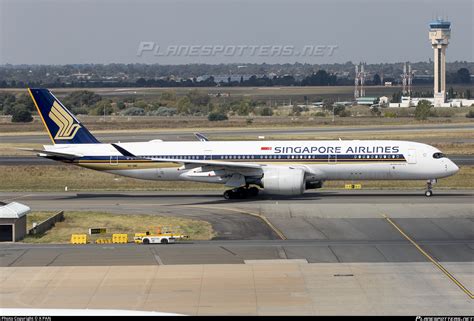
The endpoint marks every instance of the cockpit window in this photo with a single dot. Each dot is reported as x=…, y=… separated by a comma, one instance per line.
x=438, y=155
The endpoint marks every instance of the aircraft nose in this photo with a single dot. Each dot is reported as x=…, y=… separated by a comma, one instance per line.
x=452, y=168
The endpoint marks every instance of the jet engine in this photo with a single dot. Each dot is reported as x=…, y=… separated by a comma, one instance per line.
x=283, y=180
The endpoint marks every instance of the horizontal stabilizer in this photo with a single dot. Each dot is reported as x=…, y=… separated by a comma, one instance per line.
x=50, y=153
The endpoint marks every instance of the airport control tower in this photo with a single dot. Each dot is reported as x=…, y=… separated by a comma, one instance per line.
x=440, y=32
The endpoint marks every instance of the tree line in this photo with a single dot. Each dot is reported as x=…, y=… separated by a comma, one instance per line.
x=85, y=102
x=319, y=78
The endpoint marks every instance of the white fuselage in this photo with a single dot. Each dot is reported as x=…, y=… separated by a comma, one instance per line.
x=320, y=160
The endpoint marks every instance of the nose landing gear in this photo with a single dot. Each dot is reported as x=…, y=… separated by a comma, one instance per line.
x=429, y=187
x=241, y=193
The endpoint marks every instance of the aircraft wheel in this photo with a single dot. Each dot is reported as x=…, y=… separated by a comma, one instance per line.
x=253, y=191
x=228, y=195
x=429, y=186
x=241, y=193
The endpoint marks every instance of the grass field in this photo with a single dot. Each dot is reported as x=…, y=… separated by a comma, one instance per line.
x=97, y=124
x=80, y=222
x=57, y=177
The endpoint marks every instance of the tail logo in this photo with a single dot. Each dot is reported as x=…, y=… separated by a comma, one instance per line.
x=65, y=122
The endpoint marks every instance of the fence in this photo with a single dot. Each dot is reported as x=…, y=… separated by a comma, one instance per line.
x=47, y=224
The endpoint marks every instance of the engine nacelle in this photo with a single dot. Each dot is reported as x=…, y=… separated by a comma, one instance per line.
x=283, y=181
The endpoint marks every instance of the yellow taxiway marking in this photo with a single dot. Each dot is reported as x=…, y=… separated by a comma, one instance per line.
x=260, y=216
x=429, y=257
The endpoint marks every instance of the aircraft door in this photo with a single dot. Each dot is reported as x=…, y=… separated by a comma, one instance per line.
x=114, y=160
x=208, y=154
x=411, y=156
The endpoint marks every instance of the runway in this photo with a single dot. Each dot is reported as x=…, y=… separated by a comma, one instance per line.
x=34, y=160
x=329, y=226
x=183, y=134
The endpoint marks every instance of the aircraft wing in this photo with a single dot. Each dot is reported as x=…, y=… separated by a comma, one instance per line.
x=50, y=153
x=234, y=165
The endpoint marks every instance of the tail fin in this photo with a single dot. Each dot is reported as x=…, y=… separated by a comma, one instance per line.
x=62, y=126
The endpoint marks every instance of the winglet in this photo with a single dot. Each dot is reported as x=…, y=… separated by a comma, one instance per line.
x=123, y=151
x=201, y=137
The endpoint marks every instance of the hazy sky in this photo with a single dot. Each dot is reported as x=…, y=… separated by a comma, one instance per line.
x=106, y=31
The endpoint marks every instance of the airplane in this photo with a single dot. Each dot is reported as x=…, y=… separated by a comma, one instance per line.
x=286, y=168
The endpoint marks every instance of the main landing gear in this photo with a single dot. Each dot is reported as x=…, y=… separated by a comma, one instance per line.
x=429, y=187
x=241, y=192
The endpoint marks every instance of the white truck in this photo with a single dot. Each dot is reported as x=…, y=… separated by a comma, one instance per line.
x=161, y=239
x=158, y=238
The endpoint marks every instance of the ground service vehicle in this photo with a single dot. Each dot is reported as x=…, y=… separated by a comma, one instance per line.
x=163, y=235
